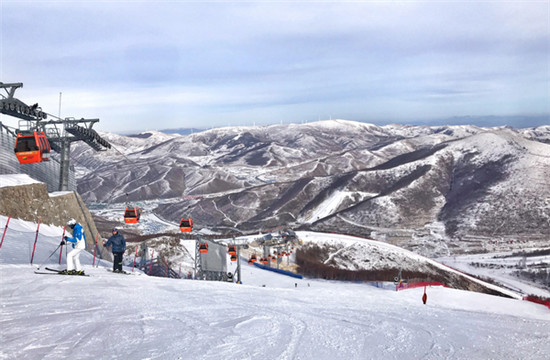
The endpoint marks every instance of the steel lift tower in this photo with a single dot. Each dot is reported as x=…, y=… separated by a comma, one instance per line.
x=16, y=108
x=60, y=133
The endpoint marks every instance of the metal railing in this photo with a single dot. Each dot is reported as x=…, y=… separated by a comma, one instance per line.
x=158, y=268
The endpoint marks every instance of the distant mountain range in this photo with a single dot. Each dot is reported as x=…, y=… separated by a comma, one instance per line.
x=516, y=121
x=434, y=188
x=180, y=131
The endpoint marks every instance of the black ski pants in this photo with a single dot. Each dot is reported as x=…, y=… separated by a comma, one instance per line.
x=117, y=262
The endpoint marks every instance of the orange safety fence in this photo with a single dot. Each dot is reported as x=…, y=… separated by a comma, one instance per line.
x=405, y=286
x=537, y=300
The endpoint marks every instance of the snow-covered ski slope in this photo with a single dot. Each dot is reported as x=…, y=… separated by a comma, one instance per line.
x=269, y=316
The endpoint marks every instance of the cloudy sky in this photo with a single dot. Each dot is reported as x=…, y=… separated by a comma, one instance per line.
x=140, y=65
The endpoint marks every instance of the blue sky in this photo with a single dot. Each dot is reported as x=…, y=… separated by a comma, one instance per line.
x=140, y=65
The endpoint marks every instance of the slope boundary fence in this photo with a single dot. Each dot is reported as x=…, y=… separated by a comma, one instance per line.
x=406, y=286
x=279, y=271
x=537, y=301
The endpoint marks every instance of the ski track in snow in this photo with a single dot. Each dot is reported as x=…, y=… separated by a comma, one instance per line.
x=270, y=316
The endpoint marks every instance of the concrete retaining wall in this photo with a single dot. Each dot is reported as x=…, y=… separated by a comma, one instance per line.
x=30, y=202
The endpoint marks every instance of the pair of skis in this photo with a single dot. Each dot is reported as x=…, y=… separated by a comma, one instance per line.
x=118, y=272
x=56, y=272
x=61, y=272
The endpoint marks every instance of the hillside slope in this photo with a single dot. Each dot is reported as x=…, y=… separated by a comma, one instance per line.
x=413, y=185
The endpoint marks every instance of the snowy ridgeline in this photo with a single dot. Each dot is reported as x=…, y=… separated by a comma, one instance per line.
x=270, y=316
x=477, y=184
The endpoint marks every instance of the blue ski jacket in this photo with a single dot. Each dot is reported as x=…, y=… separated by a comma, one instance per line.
x=118, y=242
x=78, y=239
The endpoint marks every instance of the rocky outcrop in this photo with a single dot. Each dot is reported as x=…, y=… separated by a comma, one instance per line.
x=32, y=202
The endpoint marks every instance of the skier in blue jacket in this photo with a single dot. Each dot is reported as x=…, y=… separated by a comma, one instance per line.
x=118, y=244
x=79, y=243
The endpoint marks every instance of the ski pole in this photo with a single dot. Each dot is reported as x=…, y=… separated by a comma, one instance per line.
x=99, y=258
x=99, y=253
x=61, y=251
x=95, y=248
x=58, y=246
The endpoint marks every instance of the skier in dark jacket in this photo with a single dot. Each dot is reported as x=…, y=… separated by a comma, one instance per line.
x=118, y=244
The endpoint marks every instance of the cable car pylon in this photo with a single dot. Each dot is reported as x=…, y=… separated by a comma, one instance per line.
x=59, y=138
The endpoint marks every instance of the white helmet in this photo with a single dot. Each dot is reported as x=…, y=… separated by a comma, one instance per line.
x=71, y=222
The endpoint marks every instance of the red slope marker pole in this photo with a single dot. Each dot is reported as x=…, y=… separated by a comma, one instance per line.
x=5, y=229
x=61, y=247
x=137, y=247
x=151, y=266
x=424, y=297
x=35, y=240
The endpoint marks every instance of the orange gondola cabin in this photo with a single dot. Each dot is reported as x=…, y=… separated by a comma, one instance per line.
x=132, y=215
x=186, y=225
x=32, y=147
x=203, y=248
x=232, y=250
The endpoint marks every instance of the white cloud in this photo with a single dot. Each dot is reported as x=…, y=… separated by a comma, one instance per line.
x=226, y=58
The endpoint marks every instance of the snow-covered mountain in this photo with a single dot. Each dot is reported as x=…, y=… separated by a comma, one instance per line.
x=416, y=185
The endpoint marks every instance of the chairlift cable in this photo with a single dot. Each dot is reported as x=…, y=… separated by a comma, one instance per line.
x=121, y=153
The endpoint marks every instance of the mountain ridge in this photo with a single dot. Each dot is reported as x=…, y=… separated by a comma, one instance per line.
x=397, y=177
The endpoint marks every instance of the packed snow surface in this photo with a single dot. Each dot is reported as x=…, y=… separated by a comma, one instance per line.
x=269, y=316
x=16, y=180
